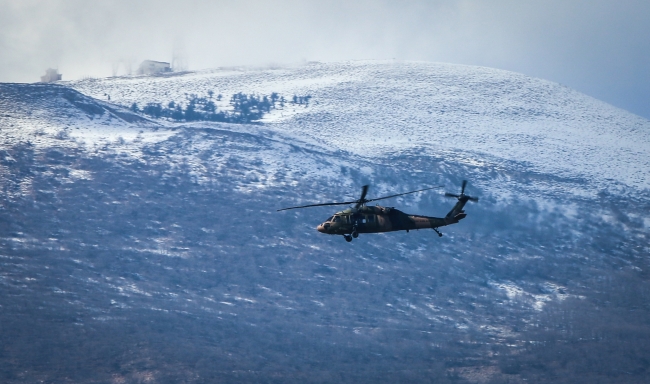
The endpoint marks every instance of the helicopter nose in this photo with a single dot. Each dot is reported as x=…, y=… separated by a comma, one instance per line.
x=321, y=228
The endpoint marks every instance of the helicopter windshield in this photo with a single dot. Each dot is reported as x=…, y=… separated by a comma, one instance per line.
x=336, y=219
x=329, y=219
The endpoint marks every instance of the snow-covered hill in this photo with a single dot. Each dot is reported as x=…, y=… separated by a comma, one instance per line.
x=136, y=249
x=472, y=113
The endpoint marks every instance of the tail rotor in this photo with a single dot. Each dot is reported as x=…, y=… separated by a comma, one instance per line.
x=462, y=196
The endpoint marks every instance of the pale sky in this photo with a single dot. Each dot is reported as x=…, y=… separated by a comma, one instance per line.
x=599, y=47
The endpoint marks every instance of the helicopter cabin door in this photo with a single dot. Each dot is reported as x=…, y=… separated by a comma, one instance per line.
x=368, y=222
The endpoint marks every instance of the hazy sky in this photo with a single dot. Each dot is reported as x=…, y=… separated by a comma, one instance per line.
x=599, y=47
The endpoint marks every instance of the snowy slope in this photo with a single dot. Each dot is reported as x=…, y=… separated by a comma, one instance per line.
x=137, y=250
x=38, y=113
x=472, y=113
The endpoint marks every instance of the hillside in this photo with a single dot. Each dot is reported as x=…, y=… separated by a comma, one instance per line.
x=137, y=249
x=375, y=108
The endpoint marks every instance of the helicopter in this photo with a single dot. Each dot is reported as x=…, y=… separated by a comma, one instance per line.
x=364, y=219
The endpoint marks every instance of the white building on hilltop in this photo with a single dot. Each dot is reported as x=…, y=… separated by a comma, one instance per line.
x=50, y=76
x=149, y=67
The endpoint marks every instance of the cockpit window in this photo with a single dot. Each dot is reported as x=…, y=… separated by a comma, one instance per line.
x=329, y=219
x=336, y=219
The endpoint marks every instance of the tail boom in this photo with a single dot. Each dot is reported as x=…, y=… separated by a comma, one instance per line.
x=426, y=222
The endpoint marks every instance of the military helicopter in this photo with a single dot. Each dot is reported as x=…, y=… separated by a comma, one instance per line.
x=364, y=219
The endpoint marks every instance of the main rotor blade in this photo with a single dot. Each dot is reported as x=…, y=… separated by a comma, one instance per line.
x=362, y=199
x=462, y=189
x=317, y=205
x=401, y=194
x=364, y=192
x=447, y=194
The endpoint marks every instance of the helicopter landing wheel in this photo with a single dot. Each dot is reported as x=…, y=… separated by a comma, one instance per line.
x=355, y=234
x=348, y=238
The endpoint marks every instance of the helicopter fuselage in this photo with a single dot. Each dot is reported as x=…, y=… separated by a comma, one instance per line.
x=384, y=219
x=364, y=219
